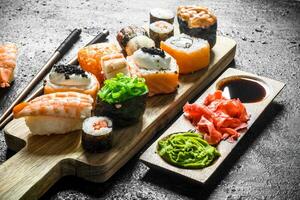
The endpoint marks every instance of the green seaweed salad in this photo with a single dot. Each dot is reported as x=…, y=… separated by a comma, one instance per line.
x=187, y=150
x=122, y=88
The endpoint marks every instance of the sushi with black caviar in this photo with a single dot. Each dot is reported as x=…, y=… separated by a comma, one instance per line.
x=71, y=78
x=198, y=21
x=97, y=134
x=123, y=99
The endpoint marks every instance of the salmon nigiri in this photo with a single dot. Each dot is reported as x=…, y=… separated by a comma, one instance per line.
x=55, y=113
x=8, y=56
x=89, y=57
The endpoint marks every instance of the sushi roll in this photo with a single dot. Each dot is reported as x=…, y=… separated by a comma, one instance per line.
x=158, y=68
x=160, y=14
x=56, y=113
x=160, y=31
x=89, y=57
x=113, y=64
x=123, y=99
x=71, y=78
x=198, y=21
x=190, y=53
x=132, y=38
x=97, y=134
x=8, y=57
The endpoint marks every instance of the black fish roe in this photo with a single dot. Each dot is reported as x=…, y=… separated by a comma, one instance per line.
x=69, y=70
x=154, y=51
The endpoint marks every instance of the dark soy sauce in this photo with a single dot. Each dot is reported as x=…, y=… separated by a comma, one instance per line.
x=247, y=90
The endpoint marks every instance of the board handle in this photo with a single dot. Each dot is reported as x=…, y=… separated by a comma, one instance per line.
x=35, y=168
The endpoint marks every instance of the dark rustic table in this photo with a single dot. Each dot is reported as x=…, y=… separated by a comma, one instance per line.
x=265, y=165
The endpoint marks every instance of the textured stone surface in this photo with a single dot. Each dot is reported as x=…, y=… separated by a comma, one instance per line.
x=266, y=165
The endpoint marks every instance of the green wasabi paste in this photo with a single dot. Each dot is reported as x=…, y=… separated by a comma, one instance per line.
x=187, y=150
x=122, y=88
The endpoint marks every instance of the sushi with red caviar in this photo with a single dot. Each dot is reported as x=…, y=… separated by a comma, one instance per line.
x=198, y=21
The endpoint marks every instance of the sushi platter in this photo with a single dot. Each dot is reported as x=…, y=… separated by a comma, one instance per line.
x=151, y=158
x=95, y=113
x=41, y=160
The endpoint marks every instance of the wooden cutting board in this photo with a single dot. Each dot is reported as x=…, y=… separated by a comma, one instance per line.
x=42, y=160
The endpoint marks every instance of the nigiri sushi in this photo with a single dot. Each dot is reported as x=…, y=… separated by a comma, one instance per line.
x=132, y=38
x=191, y=54
x=89, y=57
x=8, y=57
x=97, y=134
x=113, y=64
x=198, y=21
x=71, y=78
x=158, y=68
x=55, y=113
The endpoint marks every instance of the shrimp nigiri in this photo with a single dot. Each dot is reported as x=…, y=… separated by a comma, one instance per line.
x=8, y=56
x=55, y=113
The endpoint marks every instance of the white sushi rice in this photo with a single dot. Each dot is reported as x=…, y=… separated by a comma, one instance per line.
x=186, y=43
x=88, y=123
x=46, y=125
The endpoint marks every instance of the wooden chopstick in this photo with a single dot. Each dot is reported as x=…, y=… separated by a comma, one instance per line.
x=99, y=38
x=57, y=55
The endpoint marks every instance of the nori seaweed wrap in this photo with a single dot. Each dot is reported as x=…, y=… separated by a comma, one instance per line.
x=97, y=134
x=198, y=21
x=123, y=99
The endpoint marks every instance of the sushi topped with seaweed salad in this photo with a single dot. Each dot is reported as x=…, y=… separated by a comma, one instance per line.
x=123, y=99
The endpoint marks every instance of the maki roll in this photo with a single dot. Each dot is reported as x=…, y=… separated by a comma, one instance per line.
x=123, y=99
x=132, y=38
x=190, y=53
x=71, y=78
x=160, y=14
x=198, y=21
x=160, y=31
x=158, y=68
x=96, y=134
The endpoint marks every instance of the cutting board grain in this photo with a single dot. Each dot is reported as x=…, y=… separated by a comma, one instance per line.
x=153, y=160
x=42, y=160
